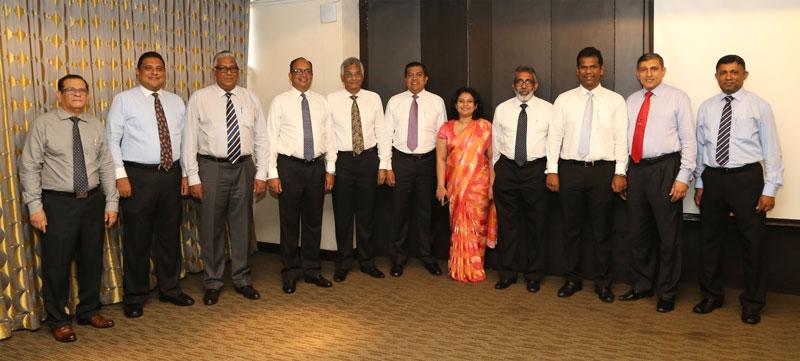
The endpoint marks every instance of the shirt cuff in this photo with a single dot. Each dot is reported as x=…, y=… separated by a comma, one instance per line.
x=619, y=168
x=261, y=175
x=385, y=164
x=552, y=168
x=698, y=182
x=272, y=173
x=194, y=179
x=112, y=206
x=330, y=167
x=34, y=206
x=121, y=173
x=684, y=176
x=769, y=190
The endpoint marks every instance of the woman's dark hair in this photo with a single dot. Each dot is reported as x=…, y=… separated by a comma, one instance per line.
x=477, y=114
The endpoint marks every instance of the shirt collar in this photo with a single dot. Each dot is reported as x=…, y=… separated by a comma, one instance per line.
x=148, y=92
x=736, y=96
x=594, y=91
x=64, y=115
x=419, y=95
x=658, y=90
x=221, y=92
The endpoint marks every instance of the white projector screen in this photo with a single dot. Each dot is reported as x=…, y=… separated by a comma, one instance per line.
x=692, y=35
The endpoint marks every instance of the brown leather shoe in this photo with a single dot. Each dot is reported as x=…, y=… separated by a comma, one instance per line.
x=97, y=321
x=64, y=334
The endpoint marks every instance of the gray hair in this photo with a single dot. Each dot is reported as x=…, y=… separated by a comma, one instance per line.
x=223, y=54
x=524, y=69
x=351, y=61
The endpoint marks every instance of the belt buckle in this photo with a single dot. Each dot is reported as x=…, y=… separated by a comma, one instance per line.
x=80, y=195
x=588, y=164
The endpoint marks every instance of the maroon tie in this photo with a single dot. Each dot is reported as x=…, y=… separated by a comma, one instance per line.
x=413, y=125
x=163, y=136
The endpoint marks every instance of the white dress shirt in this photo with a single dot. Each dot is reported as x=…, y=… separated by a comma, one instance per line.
x=133, y=127
x=504, y=128
x=430, y=117
x=206, y=129
x=285, y=129
x=373, y=125
x=609, y=138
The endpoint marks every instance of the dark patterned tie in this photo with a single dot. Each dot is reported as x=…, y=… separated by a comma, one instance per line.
x=358, y=136
x=413, y=124
x=724, y=134
x=163, y=136
x=234, y=140
x=80, y=181
x=308, y=132
x=521, y=146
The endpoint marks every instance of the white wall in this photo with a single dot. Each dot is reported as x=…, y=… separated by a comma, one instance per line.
x=279, y=32
x=693, y=35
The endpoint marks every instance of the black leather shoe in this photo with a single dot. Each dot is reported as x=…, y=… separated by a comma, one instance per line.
x=181, y=299
x=319, y=281
x=604, y=294
x=665, y=306
x=340, y=275
x=211, y=297
x=707, y=305
x=373, y=272
x=134, y=310
x=433, y=268
x=633, y=295
x=248, y=292
x=397, y=270
x=503, y=284
x=533, y=286
x=289, y=286
x=751, y=317
x=569, y=288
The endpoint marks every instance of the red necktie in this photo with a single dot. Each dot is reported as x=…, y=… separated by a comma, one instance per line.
x=638, y=133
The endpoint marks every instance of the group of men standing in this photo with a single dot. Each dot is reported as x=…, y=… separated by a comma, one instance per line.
x=222, y=150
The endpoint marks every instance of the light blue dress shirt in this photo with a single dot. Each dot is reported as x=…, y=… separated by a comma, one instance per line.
x=670, y=127
x=132, y=128
x=754, y=137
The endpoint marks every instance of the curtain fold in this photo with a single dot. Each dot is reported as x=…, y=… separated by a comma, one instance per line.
x=40, y=41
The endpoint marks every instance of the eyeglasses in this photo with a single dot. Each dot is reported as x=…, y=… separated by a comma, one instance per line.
x=225, y=69
x=298, y=71
x=75, y=91
x=524, y=81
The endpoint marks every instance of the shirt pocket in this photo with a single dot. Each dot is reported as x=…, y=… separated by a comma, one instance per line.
x=603, y=123
x=745, y=125
x=245, y=117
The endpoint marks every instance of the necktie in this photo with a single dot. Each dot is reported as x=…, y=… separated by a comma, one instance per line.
x=586, y=127
x=638, y=132
x=358, y=137
x=234, y=140
x=413, y=125
x=163, y=136
x=724, y=134
x=80, y=181
x=520, y=147
x=308, y=134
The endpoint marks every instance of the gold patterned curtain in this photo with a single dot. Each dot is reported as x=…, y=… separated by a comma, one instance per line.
x=42, y=40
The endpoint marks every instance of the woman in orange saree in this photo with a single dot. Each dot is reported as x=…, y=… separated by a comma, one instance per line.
x=464, y=176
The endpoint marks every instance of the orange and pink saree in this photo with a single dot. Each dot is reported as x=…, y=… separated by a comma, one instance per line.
x=473, y=220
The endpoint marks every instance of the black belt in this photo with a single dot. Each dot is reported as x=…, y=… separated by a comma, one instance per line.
x=300, y=160
x=146, y=166
x=735, y=170
x=414, y=156
x=242, y=158
x=71, y=194
x=659, y=158
x=594, y=163
x=354, y=155
x=527, y=162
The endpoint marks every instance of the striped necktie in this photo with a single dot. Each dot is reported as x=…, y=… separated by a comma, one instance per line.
x=234, y=140
x=724, y=134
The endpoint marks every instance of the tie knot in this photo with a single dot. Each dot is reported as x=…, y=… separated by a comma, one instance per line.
x=303, y=95
x=589, y=94
x=648, y=94
x=523, y=105
x=155, y=94
x=353, y=97
x=74, y=119
x=415, y=96
x=228, y=94
x=729, y=98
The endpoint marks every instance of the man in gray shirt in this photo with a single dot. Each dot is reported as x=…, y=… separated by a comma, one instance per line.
x=63, y=164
